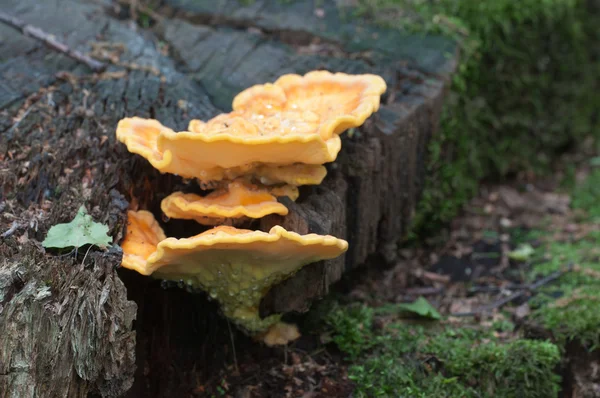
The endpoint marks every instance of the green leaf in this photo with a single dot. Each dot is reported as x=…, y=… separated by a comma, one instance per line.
x=81, y=231
x=522, y=252
x=421, y=307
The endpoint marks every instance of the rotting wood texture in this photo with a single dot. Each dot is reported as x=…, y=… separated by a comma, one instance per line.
x=66, y=320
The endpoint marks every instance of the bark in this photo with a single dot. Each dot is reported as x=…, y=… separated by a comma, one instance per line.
x=67, y=318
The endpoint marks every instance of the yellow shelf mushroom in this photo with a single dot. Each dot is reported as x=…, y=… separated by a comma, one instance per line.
x=141, y=137
x=236, y=267
x=296, y=120
x=194, y=155
x=294, y=174
x=320, y=102
x=142, y=237
x=239, y=201
x=278, y=133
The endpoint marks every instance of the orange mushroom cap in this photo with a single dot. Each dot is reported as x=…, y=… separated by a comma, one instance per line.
x=297, y=119
x=294, y=174
x=235, y=266
x=244, y=144
x=281, y=249
x=280, y=333
x=279, y=191
x=320, y=102
x=237, y=201
x=199, y=155
x=141, y=239
x=141, y=137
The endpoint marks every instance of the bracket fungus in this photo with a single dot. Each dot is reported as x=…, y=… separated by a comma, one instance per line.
x=320, y=102
x=237, y=267
x=294, y=174
x=141, y=239
x=200, y=154
x=278, y=137
x=141, y=137
x=237, y=201
x=280, y=333
x=297, y=119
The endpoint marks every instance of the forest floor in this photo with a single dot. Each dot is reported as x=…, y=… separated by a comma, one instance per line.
x=502, y=303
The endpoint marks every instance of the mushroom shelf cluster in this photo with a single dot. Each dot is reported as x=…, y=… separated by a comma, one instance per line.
x=278, y=137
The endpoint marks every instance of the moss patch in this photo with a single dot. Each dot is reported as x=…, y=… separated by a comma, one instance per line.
x=569, y=309
x=515, y=105
x=400, y=359
x=586, y=196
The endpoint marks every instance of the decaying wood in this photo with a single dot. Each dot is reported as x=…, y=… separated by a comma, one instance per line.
x=376, y=180
x=49, y=40
x=67, y=323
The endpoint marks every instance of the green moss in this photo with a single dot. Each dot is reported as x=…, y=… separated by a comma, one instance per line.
x=429, y=360
x=574, y=315
x=568, y=307
x=526, y=89
x=578, y=320
x=587, y=195
x=353, y=334
x=386, y=376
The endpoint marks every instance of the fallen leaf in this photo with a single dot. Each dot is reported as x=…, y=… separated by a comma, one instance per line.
x=422, y=308
x=81, y=231
x=522, y=252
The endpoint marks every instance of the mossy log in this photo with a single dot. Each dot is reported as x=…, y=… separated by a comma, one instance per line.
x=72, y=324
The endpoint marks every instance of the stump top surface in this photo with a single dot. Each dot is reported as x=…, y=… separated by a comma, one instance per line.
x=331, y=21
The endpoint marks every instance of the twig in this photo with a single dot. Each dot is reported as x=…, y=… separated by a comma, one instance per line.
x=505, y=300
x=16, y=124
x=423, y=291
x=50, y=41
x=135, y=6
x=235, y=361
x=495, y=289
x=431, y=276
x=84, y=257
x=15, y=225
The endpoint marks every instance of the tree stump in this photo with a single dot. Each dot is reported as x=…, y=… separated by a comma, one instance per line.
x=73, y=324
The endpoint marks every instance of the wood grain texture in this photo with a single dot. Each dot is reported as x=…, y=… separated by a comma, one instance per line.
x=69, y=321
